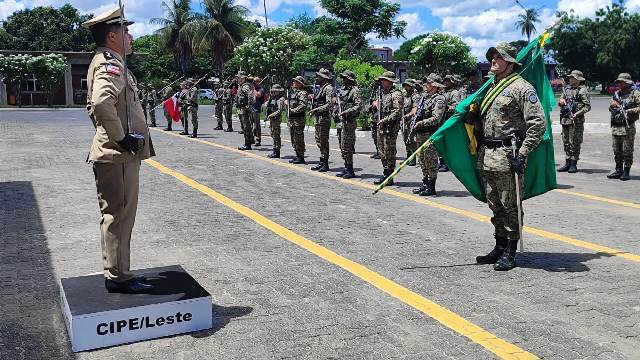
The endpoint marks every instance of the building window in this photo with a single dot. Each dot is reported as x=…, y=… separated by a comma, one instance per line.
x=83, y=83
x=32, y=85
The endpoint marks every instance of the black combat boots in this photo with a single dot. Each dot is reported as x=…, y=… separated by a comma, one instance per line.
x=430, y=190
x=567, y=165
x=615, y=174
x=422, y=187
x=245, y=147
x=625, y=174
x=495, y=254
x=299, y=159
x=348, y=172
x=229, y=129
x=573, y=166
x=274, y=154
x=219, y=127
x=168, y=128
x=508, y=259
x=194, y=134
x=412, y=162
x=319, y=165
x=386, y=174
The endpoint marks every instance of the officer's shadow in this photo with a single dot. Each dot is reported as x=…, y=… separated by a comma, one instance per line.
x=558, y=262
x=222, y=315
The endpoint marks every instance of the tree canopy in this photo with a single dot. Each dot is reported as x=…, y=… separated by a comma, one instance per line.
x=440, y=53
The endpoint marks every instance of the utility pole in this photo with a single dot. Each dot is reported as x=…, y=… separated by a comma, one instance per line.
x=266, y=21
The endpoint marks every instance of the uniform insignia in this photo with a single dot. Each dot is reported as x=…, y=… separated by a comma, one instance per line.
x=107, y=55
x=506, y=92
x=533, y=98
x=112, y=69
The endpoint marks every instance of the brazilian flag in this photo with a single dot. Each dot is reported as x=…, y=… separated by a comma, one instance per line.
x=454, y=137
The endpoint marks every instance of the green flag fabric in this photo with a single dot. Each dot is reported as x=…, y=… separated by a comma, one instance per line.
x=452, y=139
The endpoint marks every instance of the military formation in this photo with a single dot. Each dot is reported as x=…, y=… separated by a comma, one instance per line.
x=509, y=123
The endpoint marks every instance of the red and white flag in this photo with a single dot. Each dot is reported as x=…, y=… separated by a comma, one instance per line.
x=171, y=105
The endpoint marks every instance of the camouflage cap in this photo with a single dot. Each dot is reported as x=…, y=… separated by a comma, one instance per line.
x=241, y=74
x=625, y=78
x=577, y=74
x=348, y=74
x=277, y=88
x=324, y=73
x=389, y=76
x=299, y=79
x=409, y=82
x=507, y=51
x=434, y=79
x=453, y=78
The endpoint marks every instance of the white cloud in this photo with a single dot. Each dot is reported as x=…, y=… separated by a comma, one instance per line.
x=8, y=7
x=583, y=8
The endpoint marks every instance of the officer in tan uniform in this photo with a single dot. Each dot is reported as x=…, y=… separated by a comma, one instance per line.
x=510, y=111
x=117, y=148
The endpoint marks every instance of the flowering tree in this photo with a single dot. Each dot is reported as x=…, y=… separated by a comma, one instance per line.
x=440, y=53
x=48, y=69
x=271, y=51
x=365, y=72
x=15, y=70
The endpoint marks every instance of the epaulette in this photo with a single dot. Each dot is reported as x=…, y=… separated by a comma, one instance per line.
x=107, y=55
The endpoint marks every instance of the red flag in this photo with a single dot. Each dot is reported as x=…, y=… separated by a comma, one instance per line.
x=171, y=105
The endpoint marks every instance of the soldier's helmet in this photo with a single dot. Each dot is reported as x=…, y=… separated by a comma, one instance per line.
x=625, y=78
x=388, y=75
x=508, y=52
x=409, y=82
x=276, y=88
x=241, y=75
x=324, y=73
x=349, y=75
x=299, y=79
x=577, y=74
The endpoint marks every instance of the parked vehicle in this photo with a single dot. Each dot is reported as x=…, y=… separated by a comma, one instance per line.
x=205, y=94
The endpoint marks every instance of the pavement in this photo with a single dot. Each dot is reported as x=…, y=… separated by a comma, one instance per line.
x=304, y=265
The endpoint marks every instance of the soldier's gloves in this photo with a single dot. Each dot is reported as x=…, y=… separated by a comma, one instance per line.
x=518, y=163
x=129, y=143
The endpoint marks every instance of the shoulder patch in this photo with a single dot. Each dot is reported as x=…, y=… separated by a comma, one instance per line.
x=506, y=92
x=532, y=97
x=112, y=69
x=107, y=55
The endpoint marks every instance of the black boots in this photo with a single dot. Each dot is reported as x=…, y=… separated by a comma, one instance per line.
x=381, y=179
x=184, y=132
x=168, y=128
x=443, y=167
x=219, y=127
x=133, y=286
x=323, y=165
x=573, y=166
x=566, y=166
x=422, y=187
x=625, y=174
x=299, y=159
x=508, y=259
x=495, y=254
x=375, y=156
x=412, y=162
x=194, y=134
x=274, y=154
x=245, y=147
x=430, y=190
x=615, y=174
x=348, y=172
x=229, y=129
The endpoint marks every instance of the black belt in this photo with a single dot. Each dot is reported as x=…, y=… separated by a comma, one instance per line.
x=499, y=143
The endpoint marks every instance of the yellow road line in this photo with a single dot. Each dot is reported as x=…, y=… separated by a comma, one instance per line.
x=446, y=317
x=423, y=201
x=599, y=198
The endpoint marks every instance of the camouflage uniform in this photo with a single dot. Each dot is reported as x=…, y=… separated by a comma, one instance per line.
x=434, y=109
x=389, y=124
x=321, y=112
x=516, y=111
x=350, y=104
x=143, y=95
x=227, y=106
x=256, y=109
x=192, y=109
x=183, y=104
x=219, y=101
x=243, y=98
x=297, y=102
x=275, y=108
x=151, y=104
x=411, y=102
x=623, y=137
x=573, y=129
x=167, y=93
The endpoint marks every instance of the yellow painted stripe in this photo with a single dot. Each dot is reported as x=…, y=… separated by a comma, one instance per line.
x=599, y=198
x=423, y=201
x=446, y=317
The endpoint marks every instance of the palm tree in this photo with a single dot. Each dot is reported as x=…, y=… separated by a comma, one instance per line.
x=219, y=29
x=173, y=35
x=526, y=22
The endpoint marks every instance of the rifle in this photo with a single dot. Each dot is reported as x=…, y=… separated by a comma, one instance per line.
x=418, y=113
x=288, y=109
x=175, y=81
x=314, y=92
x=568, y=109
x=202, y=78
x=336, y=91
x=379, y=105
x=621, y=109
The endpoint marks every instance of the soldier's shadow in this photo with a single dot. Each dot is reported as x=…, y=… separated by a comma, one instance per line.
x=558, y=262
x=222, y=315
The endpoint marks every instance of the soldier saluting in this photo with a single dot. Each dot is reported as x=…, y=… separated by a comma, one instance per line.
x=121, y=141
x=574, y=103
x=514, y=113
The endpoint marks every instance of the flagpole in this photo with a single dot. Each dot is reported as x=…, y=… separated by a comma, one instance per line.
x=518, y=198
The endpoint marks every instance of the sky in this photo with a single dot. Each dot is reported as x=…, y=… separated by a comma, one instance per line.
x=480, y=23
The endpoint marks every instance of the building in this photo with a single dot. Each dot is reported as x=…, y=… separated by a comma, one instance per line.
x=71, y=90
x=383, y=53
